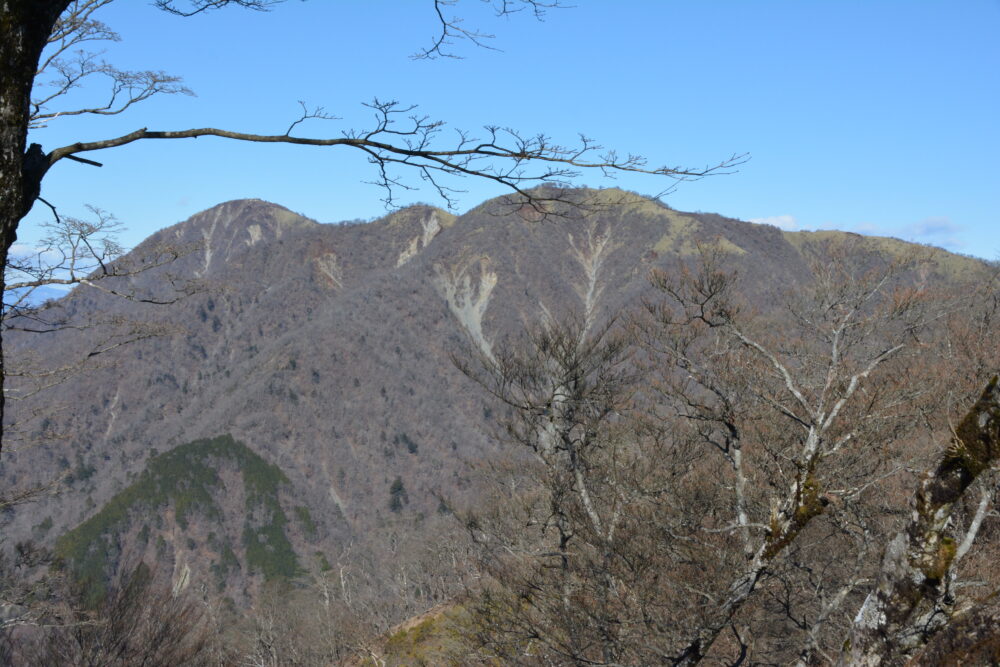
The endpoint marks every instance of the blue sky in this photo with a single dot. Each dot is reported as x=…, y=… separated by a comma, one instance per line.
x=870, y=116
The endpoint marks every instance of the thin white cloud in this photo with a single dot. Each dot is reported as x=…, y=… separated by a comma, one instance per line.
x=786, y=222
x=28, y=252
x=25, y=249
x=938, y=231
x=869, y=228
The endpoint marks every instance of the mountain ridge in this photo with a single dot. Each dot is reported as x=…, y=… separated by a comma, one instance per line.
x=326, y=348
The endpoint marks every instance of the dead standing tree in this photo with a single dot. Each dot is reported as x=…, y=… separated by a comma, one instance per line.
x=38, y=66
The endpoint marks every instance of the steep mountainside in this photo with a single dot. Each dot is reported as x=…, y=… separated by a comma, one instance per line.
x=324, y=351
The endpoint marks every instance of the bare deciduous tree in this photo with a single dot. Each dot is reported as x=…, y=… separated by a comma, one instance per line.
x=788, y=409
x=735, y=503
x=570, y=546
x=140, y=622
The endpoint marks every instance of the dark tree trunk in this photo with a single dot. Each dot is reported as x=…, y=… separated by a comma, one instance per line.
x=25, y=26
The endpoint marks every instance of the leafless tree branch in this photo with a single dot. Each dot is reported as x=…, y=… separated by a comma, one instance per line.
x=452, y=28
x=502, y=155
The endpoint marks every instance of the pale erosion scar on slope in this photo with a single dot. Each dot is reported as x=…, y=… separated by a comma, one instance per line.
x=207, y=235
x=329, y=267
x=590, y=253
x=431, y=226
x=113, y=413
x=182, y=576
x=466, y=301
x=255, y=234
x=337, y=500
x=334, y=495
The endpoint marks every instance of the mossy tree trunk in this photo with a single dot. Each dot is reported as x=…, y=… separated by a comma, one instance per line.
x=913, y=598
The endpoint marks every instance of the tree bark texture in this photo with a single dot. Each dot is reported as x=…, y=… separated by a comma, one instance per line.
x=913, y=597
x=25, y=26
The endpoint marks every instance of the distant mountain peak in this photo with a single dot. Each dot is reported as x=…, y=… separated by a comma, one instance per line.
x=225, y=229
x=232, y=217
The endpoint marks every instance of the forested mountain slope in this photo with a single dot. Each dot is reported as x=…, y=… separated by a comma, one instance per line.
x=325, y=352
